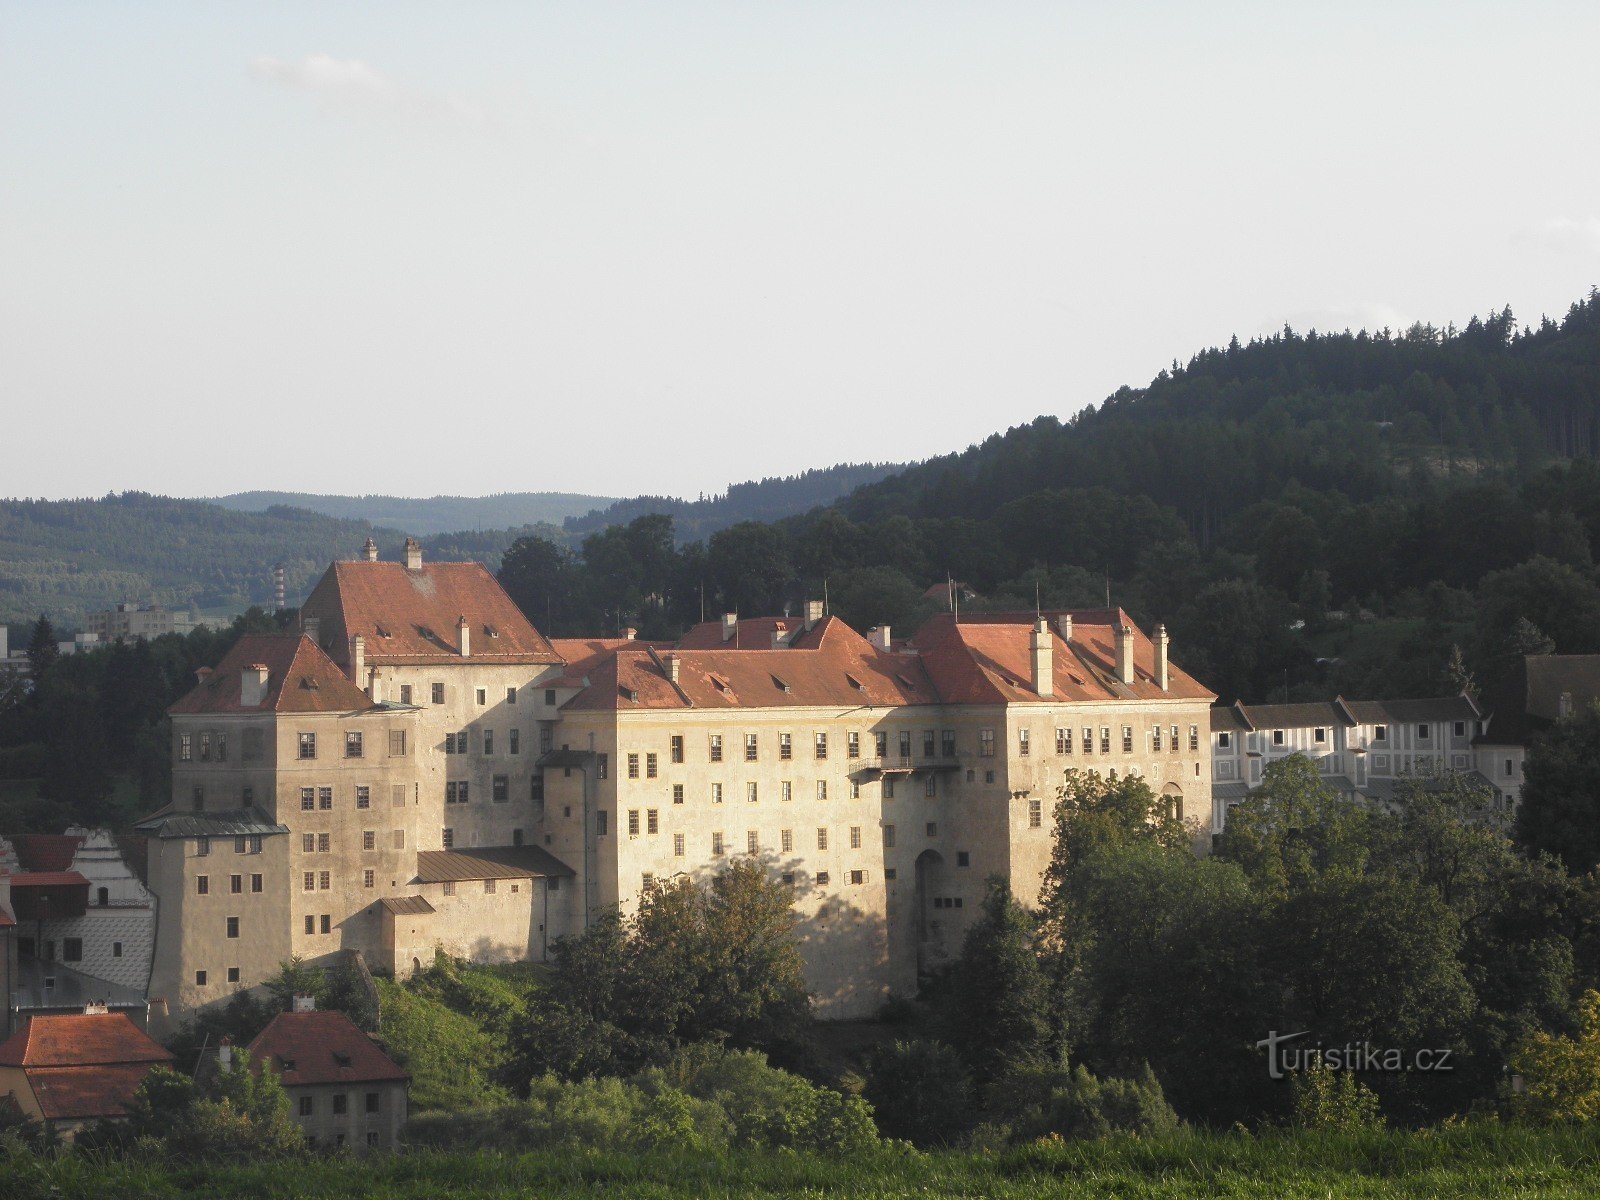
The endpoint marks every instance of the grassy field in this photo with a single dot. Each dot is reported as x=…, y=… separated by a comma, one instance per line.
x=1486, y=1161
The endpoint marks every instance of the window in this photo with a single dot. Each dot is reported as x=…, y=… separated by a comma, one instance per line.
x=1035, y=814
x=233, y=927
x=888, y=787
x=786, y=791
x=1224, y=740
x=716, y=845
x=933, y=829
x=633, y=766
x=752, y=842
x=1277, y=737
x=677, y=845
x=397, y=743
x=930, y=786
x=786, y=841
x=904, y=741
x=199, y=799
x=716, y=747
x=1024, y=746
x=233, y=974
x=602, y=823
x=405, y=693
x=677, y=793
x=455, y=792
x=500, y=789
x=1319, y=736
x=633, y=822
x=369, y=839
x=855, y=790
x=650, y=765
x=481, y=695
x=1064, y=741
x=447, y=838
x=822, y=837
x=324, y=882
x=399, y=839
x=325, y=798
x=202, y=885
x=205, y=747
x=1380, y=733
x=437, y=691
x=310, y=881
x=256, y=883
x=341, y=1104
x=1155, y=738
x=890, y=874
x=368, y=878
x=1423, y=733
x=716, y=793
x=963, y=858
x=985, y=743
x=323, y=843
x=222, y=747
x=514, y=741
x=822, y=789
x=750, y=747
x=450, y=744
x=888, y=836
x=352, y=744
x=602, y=765
x=236, y=885
x=550, y=697
x=186, y=747
x=306, y=1106
x=821, y=744
x=785, y=747
x=199, y=979
x=1509, y=769
x=311, y=925
x=308, y=745
x=858, y=877
x=1127, y=739
x=652, y=822
x=852, y=745
x=488, y=741
x=1194, y=737
x=511, y=695
x=238, y=848
x=750, y=793
x=488, y=887
x=855, y=837
x=116, y=949
x=927, y=743
x=449, y=887
x=822, y=879
x=72, y=948
x=363, y=797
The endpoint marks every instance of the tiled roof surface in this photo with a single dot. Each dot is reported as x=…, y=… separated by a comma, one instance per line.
x=300, y=678
x=1529, y=699
x=835, y=667
x=1341, y=712
x=986, y=658
x=238, y=822
x=488, y=862
x=407, y=905
x=411, y=616
x=79, y=1040
x=84, y=1093
x=321, y=1047
x=45, y=851
x=750, y=633
x=48, y=879
x=583, y=654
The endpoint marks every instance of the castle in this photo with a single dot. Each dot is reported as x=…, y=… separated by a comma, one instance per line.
x=417, y=767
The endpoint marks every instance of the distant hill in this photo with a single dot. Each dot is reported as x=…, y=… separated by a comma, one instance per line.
x=760, y=500
x=433, y=514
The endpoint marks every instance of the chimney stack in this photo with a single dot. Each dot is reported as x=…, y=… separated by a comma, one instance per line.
x=1125, y=653
x=413, y=554
x=370, y=551
x=225, y=1053
x=1161, y=657
x=1064, y=626
x=202, y=674
x=358, y=661
x=304, y=1003
x=880, y=636
x=813, y=613
x=253, y=685
x=671, y=662
x=464, y=634
x=730, y=626
x=1043, y=648
x=630, y=633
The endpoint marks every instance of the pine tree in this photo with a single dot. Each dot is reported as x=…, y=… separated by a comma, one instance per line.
x=42, y=649
x=1000, y=1005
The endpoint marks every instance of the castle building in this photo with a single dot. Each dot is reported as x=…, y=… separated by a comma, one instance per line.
x=419, y=768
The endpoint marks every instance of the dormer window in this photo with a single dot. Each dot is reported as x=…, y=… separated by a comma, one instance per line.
x=780, y=684
x=855, y=683
x=491, y=631
x=340, y=1058
x=285, y=1063
x=382, y=632
x=629, y=694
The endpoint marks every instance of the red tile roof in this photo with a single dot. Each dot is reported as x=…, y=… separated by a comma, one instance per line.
x=830, y=665
x=80, y=1040
x=412, y=616
x=750, y=633
x=84, y=1093
x=48, y=879
x=45, y=851
x=321, y=1047
x=986, y=658
x=6, y=919
x=583, y=654
x=300, y=678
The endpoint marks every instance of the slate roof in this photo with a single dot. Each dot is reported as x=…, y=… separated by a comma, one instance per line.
x=300, y=679
x=488, y=862
x=1529, y=700
x=238, y=822
x=1341, y=712
x=308, y=1048
x=411, y=617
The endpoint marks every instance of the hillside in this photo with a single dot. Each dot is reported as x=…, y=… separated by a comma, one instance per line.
x=433, y=514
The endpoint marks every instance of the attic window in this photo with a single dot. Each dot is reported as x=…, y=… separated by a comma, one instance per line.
x=721, y=684
x=491, y=631
x=341, y=1058
x=285, y=1062
x=307, y=683
x=1074, y=679
x=382, y=632
x=424, y=631
x=855, y=683
x=905, y=681
x=629, y=694
x=782, y=686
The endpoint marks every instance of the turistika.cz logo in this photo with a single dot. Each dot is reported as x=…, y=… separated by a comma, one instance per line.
x=1283, y=1058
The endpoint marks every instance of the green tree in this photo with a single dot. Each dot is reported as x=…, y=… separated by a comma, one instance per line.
x=1560, y=809
x=1560, y=1075
x=1293, y=829
x=42, y=649
x=921, y=1092
x=1000, y=1004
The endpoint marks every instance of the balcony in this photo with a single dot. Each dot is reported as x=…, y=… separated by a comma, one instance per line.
x=905, y=764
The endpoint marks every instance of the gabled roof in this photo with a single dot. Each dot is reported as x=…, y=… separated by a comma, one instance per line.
x=237, y=822
x=748, y=633
x=986, y=658
x=300, y=679
x=1341, y=712
x=488, y=862
x=27, y=879
x=45, y=851
x=321, y=1047
x=412, y=616
x=831, y=665
x=80, y=1040
x=1528, y=701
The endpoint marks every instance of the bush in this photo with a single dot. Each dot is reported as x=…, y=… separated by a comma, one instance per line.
x=453, y=1062
x=1055, y=1102
x=921, y=1092
x=1334, y=1100
x=1560, y=1075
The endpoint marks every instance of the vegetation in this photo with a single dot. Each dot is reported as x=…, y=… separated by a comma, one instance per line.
x=425, y=516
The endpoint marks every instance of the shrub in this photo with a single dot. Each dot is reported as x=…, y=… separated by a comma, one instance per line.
x=921, y=1092
x=1333, y=1100
x=1055, y=1102
x=1560, y=1075
x=453, y=1062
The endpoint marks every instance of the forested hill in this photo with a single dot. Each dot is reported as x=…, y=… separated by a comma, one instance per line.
x=759, y=500
x=421, y=516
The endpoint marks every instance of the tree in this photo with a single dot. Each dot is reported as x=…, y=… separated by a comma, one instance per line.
x=921, y=1092
x=42, y=649
x=1560, y=1075
x=1560, y=809
x=1293, y=829
x=1000, y=1007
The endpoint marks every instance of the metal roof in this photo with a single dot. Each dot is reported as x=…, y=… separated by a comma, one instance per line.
x=488, y=862
x=407, y=905
x=238, y=822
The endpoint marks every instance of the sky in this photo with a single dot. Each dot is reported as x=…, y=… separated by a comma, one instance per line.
x=616, y=249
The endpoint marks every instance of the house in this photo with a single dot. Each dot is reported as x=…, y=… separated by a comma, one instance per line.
x=343, y=1089
x=1539, y=690
x=68, y=1071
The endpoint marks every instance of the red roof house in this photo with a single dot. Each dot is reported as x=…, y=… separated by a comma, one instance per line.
x=69, y=1070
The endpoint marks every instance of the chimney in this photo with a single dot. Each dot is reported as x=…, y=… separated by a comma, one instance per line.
x=95, y=1008
x=464, y=635
x=879, y=636
x=225, y=1054
x=202, y=674
x=370, y=551
x=253, y=685
x=1043, y=648
x=1125, y=653
x=671, y=662
x=312, y=628
x=730, y=626
x=413, y=554
x=813, y=613
x=630, y=633
x=1064, y=626
x=1161, y=657
x=358, y=661
x=304, y=1003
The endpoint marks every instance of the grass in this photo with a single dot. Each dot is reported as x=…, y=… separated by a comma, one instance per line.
x=1480, y=1160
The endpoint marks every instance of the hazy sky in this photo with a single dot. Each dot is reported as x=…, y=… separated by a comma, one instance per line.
x=478, y=247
